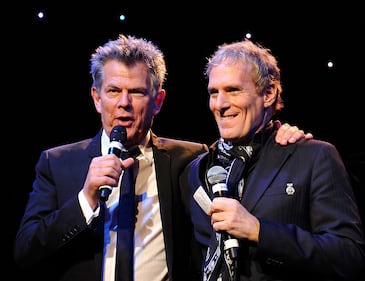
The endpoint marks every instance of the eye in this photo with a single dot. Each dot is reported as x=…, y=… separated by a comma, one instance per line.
x=138, y=92
x=233, y=90
x=113, y=92
x=212, y=92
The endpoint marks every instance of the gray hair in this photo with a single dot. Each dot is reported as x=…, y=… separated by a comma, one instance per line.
x=129, y=50
x=263, y=65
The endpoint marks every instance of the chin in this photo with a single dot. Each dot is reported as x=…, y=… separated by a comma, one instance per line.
x=225, y=134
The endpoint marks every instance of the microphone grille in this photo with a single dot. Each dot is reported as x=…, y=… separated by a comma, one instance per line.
x=217, y=174
x=119, y=134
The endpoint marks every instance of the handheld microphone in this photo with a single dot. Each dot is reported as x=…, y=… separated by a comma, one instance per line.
x=118, y=136
x=217, y=177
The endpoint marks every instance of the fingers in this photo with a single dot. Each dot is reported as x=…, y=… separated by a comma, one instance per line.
x=285, y=132
x=127, y=163
x=290, y=134
x=308, y=136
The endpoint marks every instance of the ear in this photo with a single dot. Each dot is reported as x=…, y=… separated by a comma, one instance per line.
x=96, y=99
x=158, y=101
x=270, y=97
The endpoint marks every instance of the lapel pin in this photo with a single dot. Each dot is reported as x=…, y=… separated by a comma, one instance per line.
x=290, y=188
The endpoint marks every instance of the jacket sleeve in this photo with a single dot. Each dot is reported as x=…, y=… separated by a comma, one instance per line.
x=53, y=217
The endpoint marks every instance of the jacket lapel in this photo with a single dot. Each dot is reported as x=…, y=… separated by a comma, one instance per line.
x=271, y=160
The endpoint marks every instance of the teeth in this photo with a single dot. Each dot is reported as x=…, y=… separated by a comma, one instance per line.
x=227, y=117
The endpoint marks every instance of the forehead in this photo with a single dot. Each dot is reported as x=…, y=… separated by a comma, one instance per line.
x=122, y=72
x=230, y=73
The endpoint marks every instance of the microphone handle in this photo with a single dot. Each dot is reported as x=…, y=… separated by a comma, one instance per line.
x=105, y=190
x=230, y=243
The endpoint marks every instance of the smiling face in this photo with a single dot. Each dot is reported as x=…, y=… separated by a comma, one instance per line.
x=126, y=99
x=238, y=109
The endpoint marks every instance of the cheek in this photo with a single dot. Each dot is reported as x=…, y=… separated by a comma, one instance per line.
x=105, y=105
x=101, y=106
x=145, y=111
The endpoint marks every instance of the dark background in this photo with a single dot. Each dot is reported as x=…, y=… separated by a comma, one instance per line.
x=47, y=82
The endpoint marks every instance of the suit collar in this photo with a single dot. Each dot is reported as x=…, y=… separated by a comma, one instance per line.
x=94, y=149
x=272, y=158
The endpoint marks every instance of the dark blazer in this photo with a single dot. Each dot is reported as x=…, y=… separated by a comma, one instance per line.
x=310, y=227
x=54, y=240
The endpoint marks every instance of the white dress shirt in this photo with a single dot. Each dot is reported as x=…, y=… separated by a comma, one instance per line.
x=149, y=253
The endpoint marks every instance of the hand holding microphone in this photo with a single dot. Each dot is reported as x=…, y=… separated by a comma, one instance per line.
x=217, y=177
x=118, y=137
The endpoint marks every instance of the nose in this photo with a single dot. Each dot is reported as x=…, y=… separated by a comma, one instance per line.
x=125, y=99
x=222, y=100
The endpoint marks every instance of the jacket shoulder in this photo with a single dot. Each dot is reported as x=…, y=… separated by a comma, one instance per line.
x=179, y=144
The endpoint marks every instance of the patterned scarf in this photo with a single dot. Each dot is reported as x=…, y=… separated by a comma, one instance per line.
x=219, y=263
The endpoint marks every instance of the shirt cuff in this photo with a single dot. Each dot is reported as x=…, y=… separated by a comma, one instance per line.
x=88, y=212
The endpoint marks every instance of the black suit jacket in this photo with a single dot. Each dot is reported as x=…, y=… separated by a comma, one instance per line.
x=54, y=240
x=310, y=227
